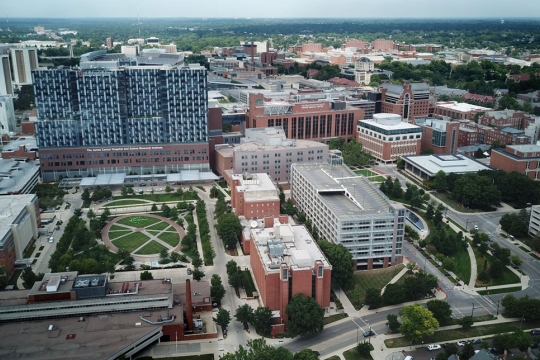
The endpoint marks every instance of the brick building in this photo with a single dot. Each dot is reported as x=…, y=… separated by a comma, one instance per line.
x=388, y=138
x=524, y=159
x=504, y=118
x=19, y=223
x=358, y=44
x=383, y=45
x=310, y=46
x=286, y=261
x=254, y=196
x=456, y=110
x=440, y=135
x=481, y=99
x=472, y=133
x=309, y=120
x=410, y=100
x=267, y=150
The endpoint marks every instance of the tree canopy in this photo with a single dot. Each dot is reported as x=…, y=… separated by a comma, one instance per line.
x=417, y=322
x=341, y=260
x=305, y=316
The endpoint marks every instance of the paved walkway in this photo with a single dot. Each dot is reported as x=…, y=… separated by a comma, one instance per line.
x=474, y=269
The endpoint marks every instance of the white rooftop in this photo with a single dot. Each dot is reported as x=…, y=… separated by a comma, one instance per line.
x=11, y=207
x=389, y=122
x=256, y=187
x=463, y=107
x=449, y=163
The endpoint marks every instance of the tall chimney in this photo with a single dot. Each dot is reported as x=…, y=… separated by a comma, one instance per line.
x=189, y=306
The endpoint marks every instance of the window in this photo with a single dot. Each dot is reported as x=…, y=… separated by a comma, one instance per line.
x=320, y=271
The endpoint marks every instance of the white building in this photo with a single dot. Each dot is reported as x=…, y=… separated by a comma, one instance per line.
x=425, y=167
x=7, y=114
x=348, y=209
x=534, y=222
x=23, y=60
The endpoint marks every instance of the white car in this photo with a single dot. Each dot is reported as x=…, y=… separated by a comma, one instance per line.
x=160, y=189
x=461, y=343
x=476, y=227
x=51, y=239
x=434, y=347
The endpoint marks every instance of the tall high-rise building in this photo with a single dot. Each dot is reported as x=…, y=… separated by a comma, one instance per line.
x=6, y=86
x=109, y=43
x=23, y=61
x=116, y=115
x=7, y=114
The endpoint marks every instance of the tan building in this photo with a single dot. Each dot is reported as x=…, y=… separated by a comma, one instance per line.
x=388, y=138
x=254, y=196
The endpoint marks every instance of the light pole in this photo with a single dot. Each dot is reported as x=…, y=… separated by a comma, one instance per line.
x=472, y=311
x=498, y=301
x=467, y=225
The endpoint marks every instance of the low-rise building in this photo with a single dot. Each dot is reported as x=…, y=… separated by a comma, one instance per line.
x=524, y=159
x=286, y=261
x=504, y=118
x=456, y=110
x=348, y=209
x=439, y=134
x=254, y=196
x=19, y=166
x=425, y=167
x=19, y=223
x=387, y=138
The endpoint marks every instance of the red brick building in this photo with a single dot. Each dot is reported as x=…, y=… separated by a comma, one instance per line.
x=312, y=47
x=481, y=99
x=410, y=100
x=387, y=138
x=524, y=159
x=439, y=135
x=254, y=196
x=382, y=45
x=504, y=118
x=286, y=261
x=455, y=110
x=309, y=120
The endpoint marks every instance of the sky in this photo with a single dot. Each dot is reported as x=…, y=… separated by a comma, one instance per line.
x=270, y=8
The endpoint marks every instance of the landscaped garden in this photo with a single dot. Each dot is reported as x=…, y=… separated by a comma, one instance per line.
x=144, y=235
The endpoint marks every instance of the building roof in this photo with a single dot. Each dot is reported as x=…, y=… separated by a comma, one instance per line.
x=512, y=131
x=11, y=207
x=445, y=90
x=256, y=187
x=503, y=114
x=483, y=355
x=29, y=142
x=15, y=174
x=347, y=194
x=285, y=243
x=471, y=148
x=462, y=107
x=388, y=121
x=449, y=163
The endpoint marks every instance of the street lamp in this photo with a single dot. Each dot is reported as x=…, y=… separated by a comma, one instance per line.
x=467, y=225
x=472, y=310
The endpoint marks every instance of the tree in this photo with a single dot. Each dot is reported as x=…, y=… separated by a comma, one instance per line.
x=262, y=320
x=228, y=228
x=373, y=298
x=430, y=211
x=341, y=260
x=441, y=310
x=174, y=257
x=223, y=318
x=91, y=214
x=393, y=323
x=154, y=207
x=196, y=261
x=305, y=316
x=364, y=349
x=416, y=202
x=217, y=290
x=397, y=191
x=468, y=351
x=77, y=212
x=393, y=294
x=29, y=277
x=417, y=322
x=198, y=274
x=85, y=196
x=466, y=322
x=244, y=314
x=516, y=260
x=163, y=254
x=439, y=182
x=257, y=349
x=146, y=275
x=427, y=151
x=305, y=354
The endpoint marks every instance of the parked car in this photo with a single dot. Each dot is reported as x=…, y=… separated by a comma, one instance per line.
x=476, y=227
x=142, y=184
x=434, y=347
x=316, y=353
x=154, y=184
x=535, y=332
x=189, y=271
x=369, y=333
x=461, y=343
x=51, y=239
x=409, y=357
x=477, y=341
x=57, y=227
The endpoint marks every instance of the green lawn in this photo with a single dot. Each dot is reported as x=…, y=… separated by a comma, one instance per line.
x=152, y=247
x=138, y=221
x=445, y=197
x=249, y=286
x=116, y=227
x=159, y=226
x=131, y=242
x=117, y=234
x=154, y=232
x=126, y=202
x=377, y=179
x=455, y=334
x=157, y=197
x=330, y=319
x=365, y=172
x=507, y=277
x=171, y=238
x=352, y=354
x=500, y=291
x=463, y=265
x=187, y=357
x=371, y=279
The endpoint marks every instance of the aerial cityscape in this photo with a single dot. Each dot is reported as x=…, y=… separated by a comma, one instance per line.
x=293, y=180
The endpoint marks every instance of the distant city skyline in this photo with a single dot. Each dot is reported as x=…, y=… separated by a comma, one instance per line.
x=274, y=9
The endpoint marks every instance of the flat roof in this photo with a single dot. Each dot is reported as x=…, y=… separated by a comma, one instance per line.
x=463, y=107
x=20, y=173
x=347, y=194
x=29, y=142
x=525, y=148
x=395, y=126
x=11, y=207
x=299, y=248
x=66, y=282
x=97, y=337
x=449, y=163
